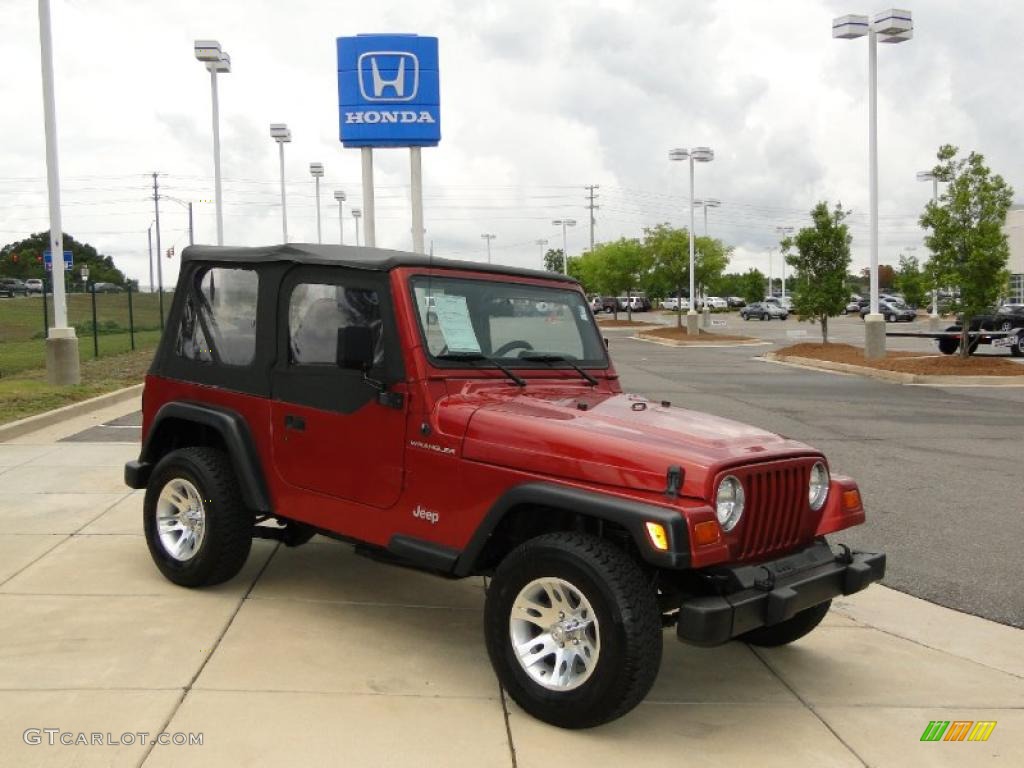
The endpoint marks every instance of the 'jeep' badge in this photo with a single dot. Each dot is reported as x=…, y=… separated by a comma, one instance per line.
x=426, y=514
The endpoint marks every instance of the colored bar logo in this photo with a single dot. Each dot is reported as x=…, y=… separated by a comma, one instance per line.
x=958, y=730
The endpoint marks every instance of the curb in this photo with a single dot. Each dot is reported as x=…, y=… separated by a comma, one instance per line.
x=640, y=336
x=48, y=418
x=898, y=377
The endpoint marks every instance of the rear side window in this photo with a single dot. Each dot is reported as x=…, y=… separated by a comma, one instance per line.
x=218, y=322
x=315, y=313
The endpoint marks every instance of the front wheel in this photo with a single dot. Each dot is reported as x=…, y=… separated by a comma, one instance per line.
x=573, y=629
x=1017, y=350
x=790, y=630
x=198, y=531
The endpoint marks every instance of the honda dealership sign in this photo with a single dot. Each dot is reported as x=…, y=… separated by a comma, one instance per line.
x=389, y=91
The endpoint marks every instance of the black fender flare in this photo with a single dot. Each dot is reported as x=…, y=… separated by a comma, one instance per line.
x=233, y=430
x=630, y=514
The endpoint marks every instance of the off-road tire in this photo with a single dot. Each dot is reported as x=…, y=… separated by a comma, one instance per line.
x=788, y=631
x=630, y=632
x=228, y=524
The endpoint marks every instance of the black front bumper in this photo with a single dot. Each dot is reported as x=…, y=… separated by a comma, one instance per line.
x=752, y=596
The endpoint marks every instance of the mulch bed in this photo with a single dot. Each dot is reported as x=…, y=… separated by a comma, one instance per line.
x=612, y=323
x=705, y=337
x=907, y=362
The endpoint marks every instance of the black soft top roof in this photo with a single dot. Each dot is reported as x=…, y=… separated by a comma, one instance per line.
x=356, y=257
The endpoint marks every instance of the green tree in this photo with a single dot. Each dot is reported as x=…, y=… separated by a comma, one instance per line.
x=911, y=281
x=752, y=288
x=554, y=260
x=669, y=251
x=969, y=247
x=24, y=259
x=626, y=262
x=821, y=260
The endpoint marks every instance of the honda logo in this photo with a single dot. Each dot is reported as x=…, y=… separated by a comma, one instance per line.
x=388, y=76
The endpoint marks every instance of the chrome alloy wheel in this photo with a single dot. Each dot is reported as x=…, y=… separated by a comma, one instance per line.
x=555, y=634
x=180, y=519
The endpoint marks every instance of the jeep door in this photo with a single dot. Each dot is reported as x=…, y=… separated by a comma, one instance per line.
x=332, y=433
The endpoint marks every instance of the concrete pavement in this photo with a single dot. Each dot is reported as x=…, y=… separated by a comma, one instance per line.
x=313, y=656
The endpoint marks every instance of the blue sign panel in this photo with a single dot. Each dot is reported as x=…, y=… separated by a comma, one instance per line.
x=48, y=261
x=389, y=92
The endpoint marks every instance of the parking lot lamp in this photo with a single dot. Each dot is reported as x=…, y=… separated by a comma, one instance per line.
x=705, y=204
x=488, y=237
x=356, y=213
x=541, y=242
x=564, y=223
x=339, y=195
x=316, y=170
x=280, y=133
x=699, y=155
x=783, y=232
x=891, y=26
x=217, y=62
x=933, y=319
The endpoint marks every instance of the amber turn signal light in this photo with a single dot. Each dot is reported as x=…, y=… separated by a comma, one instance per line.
x=851, y=500
x=706, y=533
x=657, y=535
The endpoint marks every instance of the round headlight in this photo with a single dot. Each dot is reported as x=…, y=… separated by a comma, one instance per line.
x=729, y=502
x=817, y=491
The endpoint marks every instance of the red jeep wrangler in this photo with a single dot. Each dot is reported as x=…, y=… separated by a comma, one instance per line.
x=466, y=420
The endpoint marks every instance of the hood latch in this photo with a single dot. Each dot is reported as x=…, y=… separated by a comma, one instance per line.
x=674, y=481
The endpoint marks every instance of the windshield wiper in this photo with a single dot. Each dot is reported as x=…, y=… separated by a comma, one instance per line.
x=478, y=357
x=543, y=357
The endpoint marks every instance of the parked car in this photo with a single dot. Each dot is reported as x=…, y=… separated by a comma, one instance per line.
x=892, y=311
x=783, y=302
x=1008, y=317
x=607, y=304
x=763, y=310
x=716, y=303
x=852, y=306
x=12, y=286
x=34, y=285
x=736, y=302
x=106, y=288
x=676, y=304
x=469, y=451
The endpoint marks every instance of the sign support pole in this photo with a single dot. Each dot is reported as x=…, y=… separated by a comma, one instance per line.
x=416, y=180
x=369, y=214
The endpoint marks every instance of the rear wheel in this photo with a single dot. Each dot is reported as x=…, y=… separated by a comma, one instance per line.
x=1017, y=350
x=788, y=631
x=198, y=531
x=573, y=629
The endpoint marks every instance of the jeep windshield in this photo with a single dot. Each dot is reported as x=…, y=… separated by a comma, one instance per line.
x=524, y=326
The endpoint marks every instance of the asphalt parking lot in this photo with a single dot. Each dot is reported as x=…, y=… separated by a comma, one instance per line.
x=939, y=467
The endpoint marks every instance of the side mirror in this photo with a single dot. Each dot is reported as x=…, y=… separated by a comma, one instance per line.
x=356, y=348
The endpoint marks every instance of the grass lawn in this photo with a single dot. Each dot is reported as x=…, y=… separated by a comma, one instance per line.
x=27, y=393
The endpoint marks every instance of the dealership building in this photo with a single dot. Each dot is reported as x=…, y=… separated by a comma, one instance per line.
x=1015, y=234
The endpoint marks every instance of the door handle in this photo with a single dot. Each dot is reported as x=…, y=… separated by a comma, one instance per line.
x=294, y=422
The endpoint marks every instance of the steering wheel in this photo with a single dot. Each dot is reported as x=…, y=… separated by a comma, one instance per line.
x=504, y=349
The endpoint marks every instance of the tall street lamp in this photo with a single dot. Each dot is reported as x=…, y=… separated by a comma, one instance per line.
x=564, y=223
x=316, y=170
x=709, y=202
x=933, y=319
x=699, y=155
x=541, y=242
x=356, y=213
x=488, y=237
x=339, y=195
x=891, y=26
x=280, y=133
x=783, y=233
x=187, y=205
x=217, y=62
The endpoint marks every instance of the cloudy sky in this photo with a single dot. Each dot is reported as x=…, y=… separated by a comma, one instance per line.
x=539, y=98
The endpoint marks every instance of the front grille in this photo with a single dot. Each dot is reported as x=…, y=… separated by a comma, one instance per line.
x=777, y=509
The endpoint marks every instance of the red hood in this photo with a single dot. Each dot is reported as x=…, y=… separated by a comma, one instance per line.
x=617, y=440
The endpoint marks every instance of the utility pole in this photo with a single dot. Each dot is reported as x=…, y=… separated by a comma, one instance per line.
x=159, y=250
x=149, y=239
x=541, y=242
x=591, y=197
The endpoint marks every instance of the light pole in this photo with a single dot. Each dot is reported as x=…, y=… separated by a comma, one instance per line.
x=280, y=133
x=783, y=232
x=894, y=26
x=339, y=195
x=541, y=242
x=705, y=204
x=316, y=170
x=771, y=280
x=563, y=223
x=933, y=319
x=356, y=213
x=488, y=237
x=62, y=365
x=700, y=155
x=187, y=205
x=217, y=62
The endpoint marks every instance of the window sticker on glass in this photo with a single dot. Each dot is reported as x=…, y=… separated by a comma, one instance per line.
x=456, y=327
